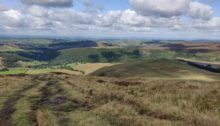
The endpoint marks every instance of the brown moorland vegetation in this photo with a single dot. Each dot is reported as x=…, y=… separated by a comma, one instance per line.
x=70, y=100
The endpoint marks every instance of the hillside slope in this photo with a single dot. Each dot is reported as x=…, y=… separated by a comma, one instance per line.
x=152, y=68
x=68, y=100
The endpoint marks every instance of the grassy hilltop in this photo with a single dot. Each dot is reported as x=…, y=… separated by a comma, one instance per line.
x=107, y=83
x=69, y=100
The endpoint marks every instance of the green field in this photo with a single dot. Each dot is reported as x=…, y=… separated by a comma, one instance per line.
x=7, y=48
x=13, y=71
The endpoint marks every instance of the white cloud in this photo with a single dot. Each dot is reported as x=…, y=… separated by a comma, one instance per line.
x=70, y=16
x=12, y=18
x=130, y=17
x=199, y=10
x=38, y=18
x=87, y=3
x=130, y=20
x=109, y=19
x=3, y=7
x=49, y=3
x=170, y=8
x=38, y=11
x=162, y=8
x=92, y=7
x=145, y=18
x=37, y=23
x=211, y=25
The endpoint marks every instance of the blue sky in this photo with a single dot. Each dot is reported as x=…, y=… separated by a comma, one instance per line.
x=215, y=4
x=112, y=18
x=108, y=5
x=113, y=4
x=78, y=5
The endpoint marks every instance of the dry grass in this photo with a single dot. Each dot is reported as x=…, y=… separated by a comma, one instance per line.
x=41, y=118
x=24, y=114
x=10, y=84
x=1, y=61
x=71, y=100
x=197, y=77
x=47, y=71
x=91, y=67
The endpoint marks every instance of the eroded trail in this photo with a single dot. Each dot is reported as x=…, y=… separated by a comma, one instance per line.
x=56, y=99
x=53, y=99
x=8, y=108
x=67, y=100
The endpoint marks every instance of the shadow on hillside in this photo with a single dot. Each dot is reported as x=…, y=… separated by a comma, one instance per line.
x=208, y=68
x=183, y=48
x=41, y=54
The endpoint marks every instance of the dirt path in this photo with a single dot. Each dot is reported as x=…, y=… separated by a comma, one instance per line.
x=8, y=107
x=41, y=118
x=50, y=99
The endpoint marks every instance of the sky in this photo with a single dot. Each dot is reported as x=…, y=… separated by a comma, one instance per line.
x=171, y=19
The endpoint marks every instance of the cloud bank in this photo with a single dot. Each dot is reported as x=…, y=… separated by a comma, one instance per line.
x=49, y=3
x=145, y=17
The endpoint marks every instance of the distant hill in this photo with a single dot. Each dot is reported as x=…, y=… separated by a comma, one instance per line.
x=96, y=55
x=50, y=52
x=74, y=44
